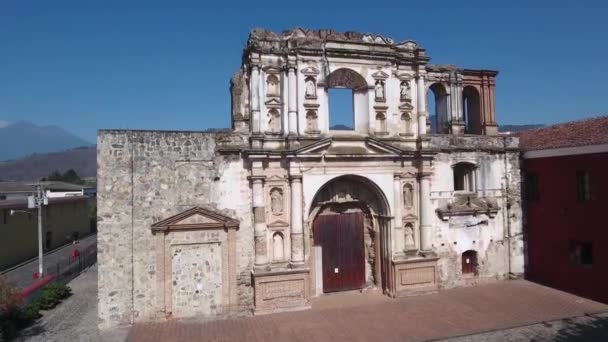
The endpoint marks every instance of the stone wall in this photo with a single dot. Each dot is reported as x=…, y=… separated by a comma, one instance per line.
x=145, y=177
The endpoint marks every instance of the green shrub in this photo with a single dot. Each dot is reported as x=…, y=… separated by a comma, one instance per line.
x=52, y=295
x=14, y=317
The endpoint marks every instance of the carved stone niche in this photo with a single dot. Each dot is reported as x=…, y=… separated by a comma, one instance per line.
x=405, y=125
x=467, y=205
x=310, y=88
x=405, y=91
x=196, y=264
x=274, y=121
x=279, y=242
x=380, y=126
x=312, y=118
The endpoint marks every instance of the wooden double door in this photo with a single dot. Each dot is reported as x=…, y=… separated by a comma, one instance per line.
x=341, y=239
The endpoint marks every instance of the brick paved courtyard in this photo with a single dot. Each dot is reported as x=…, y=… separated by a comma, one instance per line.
x=370, y=316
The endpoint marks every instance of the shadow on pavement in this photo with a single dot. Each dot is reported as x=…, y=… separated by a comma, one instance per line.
x=595, y=329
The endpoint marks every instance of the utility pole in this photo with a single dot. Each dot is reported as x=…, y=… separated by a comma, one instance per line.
x=39, y=200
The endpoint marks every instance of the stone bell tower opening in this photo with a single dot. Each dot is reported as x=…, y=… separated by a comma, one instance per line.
x=343, y=84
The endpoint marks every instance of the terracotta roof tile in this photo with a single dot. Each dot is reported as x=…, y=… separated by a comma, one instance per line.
x=593, y=131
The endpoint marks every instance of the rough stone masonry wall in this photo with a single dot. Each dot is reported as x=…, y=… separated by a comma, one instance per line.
x=144, y=177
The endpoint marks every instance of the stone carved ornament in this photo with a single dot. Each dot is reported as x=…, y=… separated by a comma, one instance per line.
x=379, y=90
x=405, y=91
x=468, y=205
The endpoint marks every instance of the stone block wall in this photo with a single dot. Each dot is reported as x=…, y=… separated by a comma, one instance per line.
x=145, y=177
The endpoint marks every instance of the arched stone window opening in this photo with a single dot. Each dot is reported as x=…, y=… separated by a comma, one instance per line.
x=469, y=263
x=471, y=110
x=347, y=93
x=464, y=177
x=381, y=124
x=437, y=102
x=278, y=247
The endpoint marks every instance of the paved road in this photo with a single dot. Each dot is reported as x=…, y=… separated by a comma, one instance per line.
x=75, y=319
x=21, y=276
x=591, y=328
x=370, y=317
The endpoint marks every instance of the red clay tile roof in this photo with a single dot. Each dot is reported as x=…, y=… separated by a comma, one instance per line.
x=593, y=131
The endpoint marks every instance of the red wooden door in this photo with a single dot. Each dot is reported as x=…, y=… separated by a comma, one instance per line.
x=341, y=239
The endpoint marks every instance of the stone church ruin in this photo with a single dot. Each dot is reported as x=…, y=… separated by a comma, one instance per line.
x=284, y=208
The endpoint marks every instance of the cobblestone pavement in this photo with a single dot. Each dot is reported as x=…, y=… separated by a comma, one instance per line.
x=21, y=275
x=75, y=319
x=583, y=328
x=371, y=317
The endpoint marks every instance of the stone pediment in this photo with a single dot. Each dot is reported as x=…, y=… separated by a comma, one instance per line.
x=350, y=147
x=467, y=205
x=273, y=102
x=380, y=75
x=196, y=218
x=310, y=71
x=406, y=107
x=278, y=224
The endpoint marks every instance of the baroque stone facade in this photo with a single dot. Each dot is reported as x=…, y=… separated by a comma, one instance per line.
x=283, y=208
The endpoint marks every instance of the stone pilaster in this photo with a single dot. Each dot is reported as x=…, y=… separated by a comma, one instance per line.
x=259, y=221
x=292, y=100
x=425, y=212
x=399, y=236
x=297, y=233
x=255, y=99
x=421, y=104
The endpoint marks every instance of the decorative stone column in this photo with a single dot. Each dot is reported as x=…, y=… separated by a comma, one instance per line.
x=255, y=99
x=292, y=100
x=259, y=221
x=425, y=212
x=399, y=236
x=421, y=104
x=297, y=233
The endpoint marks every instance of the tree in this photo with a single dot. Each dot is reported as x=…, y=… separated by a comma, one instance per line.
x=70, y=176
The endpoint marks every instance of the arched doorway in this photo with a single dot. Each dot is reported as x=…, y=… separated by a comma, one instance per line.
x=350, y=232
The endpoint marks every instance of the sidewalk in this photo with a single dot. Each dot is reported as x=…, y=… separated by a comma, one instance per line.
x=370, y=317
x=22, y=275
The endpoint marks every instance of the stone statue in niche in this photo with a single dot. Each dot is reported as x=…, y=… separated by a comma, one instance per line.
x=277, y=247
x=276, y=201
x=311, y=121
x=409, y=237
x=408, y=195
x=311, y=88
x=272, y=85
x=379, y=90
x=274, y=121
x=406, y=91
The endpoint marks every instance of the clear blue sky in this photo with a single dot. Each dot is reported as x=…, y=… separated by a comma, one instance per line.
x=155, y=65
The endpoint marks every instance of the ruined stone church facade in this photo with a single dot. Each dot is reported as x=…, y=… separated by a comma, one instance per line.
x=284, y=208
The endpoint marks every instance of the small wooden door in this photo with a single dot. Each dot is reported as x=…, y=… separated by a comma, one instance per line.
x=341, y=239
x=469, y=262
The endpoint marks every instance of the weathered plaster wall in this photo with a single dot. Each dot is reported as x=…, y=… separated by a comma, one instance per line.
x=497, y=180
x=144, y=177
